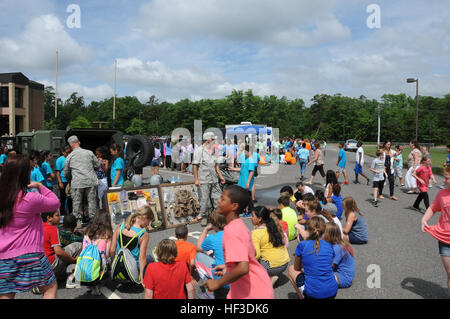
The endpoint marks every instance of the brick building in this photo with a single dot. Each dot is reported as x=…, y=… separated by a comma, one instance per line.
x=21, y=104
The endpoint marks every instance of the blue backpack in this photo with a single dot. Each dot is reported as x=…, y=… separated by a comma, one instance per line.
x=89, y=264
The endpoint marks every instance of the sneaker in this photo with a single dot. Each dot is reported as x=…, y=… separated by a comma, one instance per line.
x=36, y=291
x=375, y=203
x=417, y=209
x=368, y=181
x=72, y=283
x=346, y=183
x=355, y=182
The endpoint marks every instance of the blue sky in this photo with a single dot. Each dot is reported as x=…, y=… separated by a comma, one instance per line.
x=195, y=49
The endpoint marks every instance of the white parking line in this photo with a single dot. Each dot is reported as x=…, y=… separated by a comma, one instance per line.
x=108, y=293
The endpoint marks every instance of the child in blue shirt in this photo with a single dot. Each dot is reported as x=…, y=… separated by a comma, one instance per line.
x=247, y=175
x=342, y=159
x=343, y=262
x=398, y=165
x=315, y=256
x=303, y=158
x=47, y=171
x=204, y=262
x=36, y=174
x=336, y=199
x=117, y=166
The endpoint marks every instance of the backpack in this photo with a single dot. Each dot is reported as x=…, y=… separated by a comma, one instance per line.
x=124, y=266
x=89, y=264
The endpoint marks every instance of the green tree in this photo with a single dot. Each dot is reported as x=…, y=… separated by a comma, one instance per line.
x=80, y=122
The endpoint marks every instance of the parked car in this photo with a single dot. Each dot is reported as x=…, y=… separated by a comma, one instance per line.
x=350, y=145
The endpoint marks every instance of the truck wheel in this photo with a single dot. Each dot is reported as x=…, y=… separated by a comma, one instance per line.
x=140, y=151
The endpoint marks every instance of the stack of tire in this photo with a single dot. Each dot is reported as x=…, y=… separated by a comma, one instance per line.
x=140, y=152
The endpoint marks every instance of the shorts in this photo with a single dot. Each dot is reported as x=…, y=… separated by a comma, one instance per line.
x=398, y=172
x=377, y=184
x=444, y=249
x=340, y=170
x=272, y=271
x=355, y=240
x=358, y=169
x=155, y=163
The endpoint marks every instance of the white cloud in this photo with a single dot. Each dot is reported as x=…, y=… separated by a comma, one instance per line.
x=97, y=93
x=283, y=22
x=35, y=48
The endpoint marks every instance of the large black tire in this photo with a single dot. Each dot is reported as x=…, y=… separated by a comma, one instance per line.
x=140, y=151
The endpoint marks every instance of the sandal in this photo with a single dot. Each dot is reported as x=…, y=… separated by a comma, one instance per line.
x=394, y=198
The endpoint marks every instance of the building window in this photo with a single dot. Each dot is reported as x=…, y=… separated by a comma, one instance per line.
x=19, y=97
x=4, y=98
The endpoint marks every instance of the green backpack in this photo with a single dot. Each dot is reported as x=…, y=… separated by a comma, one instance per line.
x=124, y=266
x=89, y=264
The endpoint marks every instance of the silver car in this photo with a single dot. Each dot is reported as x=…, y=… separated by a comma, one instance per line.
x=350, y=145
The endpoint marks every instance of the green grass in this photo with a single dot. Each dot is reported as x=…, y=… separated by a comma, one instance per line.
x=438, y=156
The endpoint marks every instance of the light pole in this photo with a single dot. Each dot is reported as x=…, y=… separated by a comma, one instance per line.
x=412, y=80
x=379, y=125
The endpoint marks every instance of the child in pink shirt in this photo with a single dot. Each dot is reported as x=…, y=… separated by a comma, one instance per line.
x=441, y=231
x=100, y=233
x=423, y=175
x=247, y=278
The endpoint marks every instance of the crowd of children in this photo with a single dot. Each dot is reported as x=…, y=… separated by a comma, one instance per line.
x=234, y=261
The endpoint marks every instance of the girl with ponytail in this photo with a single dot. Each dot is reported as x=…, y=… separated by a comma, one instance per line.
x=312, y=274
x=134, y=230
x=269, y=241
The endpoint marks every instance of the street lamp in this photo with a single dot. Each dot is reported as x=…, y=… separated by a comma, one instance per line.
x=412, y=80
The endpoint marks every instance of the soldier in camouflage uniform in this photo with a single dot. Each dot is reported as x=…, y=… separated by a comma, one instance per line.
x=206, y=175
x=80, y=166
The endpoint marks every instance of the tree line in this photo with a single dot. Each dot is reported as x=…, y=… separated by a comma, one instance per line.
x=330, y=117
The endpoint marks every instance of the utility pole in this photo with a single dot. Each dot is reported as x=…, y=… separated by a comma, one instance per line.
x=56, y=87
x=114, y=100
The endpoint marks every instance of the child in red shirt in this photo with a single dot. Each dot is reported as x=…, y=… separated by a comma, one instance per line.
x=245, y=275
x=58, y=257
x=423, y=175
x=167, y=278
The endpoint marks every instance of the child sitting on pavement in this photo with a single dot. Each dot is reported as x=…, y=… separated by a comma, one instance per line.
x=186, y=250
x=289, y=215
x=343, y=262
x=212, y=244
x=63, y=260
x=99, y=231
x=68, y=233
